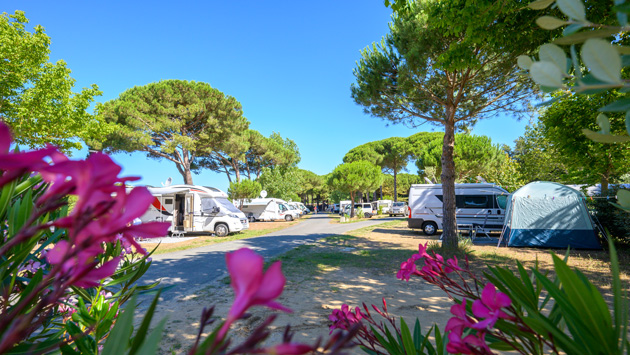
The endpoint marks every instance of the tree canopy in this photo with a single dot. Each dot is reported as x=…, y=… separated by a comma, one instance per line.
x=245, y=189
x=176, y=120
x=449, y=63
x=282, y=182
x=36, y=96
x=355, y=177
x=588, y=162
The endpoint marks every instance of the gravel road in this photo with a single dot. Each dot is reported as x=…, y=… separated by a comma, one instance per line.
x=189, y=270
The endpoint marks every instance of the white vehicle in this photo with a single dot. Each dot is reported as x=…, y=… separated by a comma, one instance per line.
x=301, y=206
x=386, y=204
x=477, y=206
x=268, y=209
x=398, y=208
x=343, y=204
x=295, y=208
x=195, y=209
x=367, y=208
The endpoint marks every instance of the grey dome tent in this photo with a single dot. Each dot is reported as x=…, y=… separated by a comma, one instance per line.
x=550, y=215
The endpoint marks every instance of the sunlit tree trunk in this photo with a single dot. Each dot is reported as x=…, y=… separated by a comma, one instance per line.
x=449, y=221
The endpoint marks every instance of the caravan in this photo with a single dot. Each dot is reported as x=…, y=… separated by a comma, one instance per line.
x=479, y=206
x=195, y=209
x=268, y=209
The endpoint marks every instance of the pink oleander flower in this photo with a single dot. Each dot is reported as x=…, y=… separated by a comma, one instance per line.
x=285, y=349
x=471, y=344
x=489, y=307
x=407, y=268
x=252, y=286
x=456, y=326
x=453, y=264
x=16, y=164
x=422, y=251
x=461, y=320
x=343, y=318
x=80, y=268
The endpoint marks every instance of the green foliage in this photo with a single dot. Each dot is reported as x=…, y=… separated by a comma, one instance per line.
x=245, y=189
x=355, y=177
x=448, y=63
x=176, y=120
x=579, y=320
x=587, y=162
x=283, y=183
x=36, y=97
x=403, y=341
x=537, y=157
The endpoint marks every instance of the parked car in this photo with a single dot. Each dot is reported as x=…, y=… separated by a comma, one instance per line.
x=336, y=208
x=398, y=208
x=366, y=207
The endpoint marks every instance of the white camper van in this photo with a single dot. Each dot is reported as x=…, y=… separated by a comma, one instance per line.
x=195, y=209
x=477, y=206
x=268, y=209
x=342, y=206
x=386, y=204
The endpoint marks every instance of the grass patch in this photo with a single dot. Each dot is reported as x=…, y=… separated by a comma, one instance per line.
x=209, y=240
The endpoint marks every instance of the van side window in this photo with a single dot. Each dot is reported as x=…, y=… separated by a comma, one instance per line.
x=502, y=201
x=282, y=207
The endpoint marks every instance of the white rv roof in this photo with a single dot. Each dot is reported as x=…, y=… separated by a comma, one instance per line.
x=263, y=201
x=459, y=186
x=214, y=192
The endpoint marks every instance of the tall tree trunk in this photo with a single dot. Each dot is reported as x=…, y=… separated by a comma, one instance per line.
x=449, y=221
x=227, y=172
x=187, y=174
x=604, y=182
x=188, y=177
x=381, y=189
x=395, y=191
x=352, y=203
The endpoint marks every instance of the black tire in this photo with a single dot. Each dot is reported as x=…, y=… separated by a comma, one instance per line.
x=288, y=218
x=367, y=215
x=429, y=228
x=221, y=230
x=390, y=215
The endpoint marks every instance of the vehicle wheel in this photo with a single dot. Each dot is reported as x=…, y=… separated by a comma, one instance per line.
x=429, y=228
x=367, y=215
x=221, y=230
x=390, y=215
x=288, y=218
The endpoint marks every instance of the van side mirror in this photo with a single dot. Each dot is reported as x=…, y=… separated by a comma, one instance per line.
x=216, y=209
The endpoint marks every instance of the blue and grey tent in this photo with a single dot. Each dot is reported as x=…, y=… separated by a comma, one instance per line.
x=549, y=215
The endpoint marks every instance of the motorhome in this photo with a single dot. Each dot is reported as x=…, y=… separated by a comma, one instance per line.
x=385, y=204
x=300, y=206
x=268, y=209
x=477, y=206
x=195, y=209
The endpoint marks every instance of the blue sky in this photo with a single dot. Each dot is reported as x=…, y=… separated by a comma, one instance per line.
x=289, y=63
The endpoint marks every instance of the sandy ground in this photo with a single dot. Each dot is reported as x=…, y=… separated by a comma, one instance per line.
x=312, y=299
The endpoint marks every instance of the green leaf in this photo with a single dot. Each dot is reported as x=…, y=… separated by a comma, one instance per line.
x=583, y=36
x=554, y=54
x=621, y=105
x=604, y=138
x=604, y=123
x=546, y=73
x=549, y=22
x=540, y=4
x=118, y=339
x=576, y=63
x=602, y=59
x=407, y=340
x=572, y=8
x=622, y=49
x=623, y=198
x=549, y=102
x=571, y=29
x=151, y=343
x=5, y=197
x=524, y=62
x=146, y=322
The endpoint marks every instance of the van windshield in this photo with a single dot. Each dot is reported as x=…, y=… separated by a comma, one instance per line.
x=207, y=203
